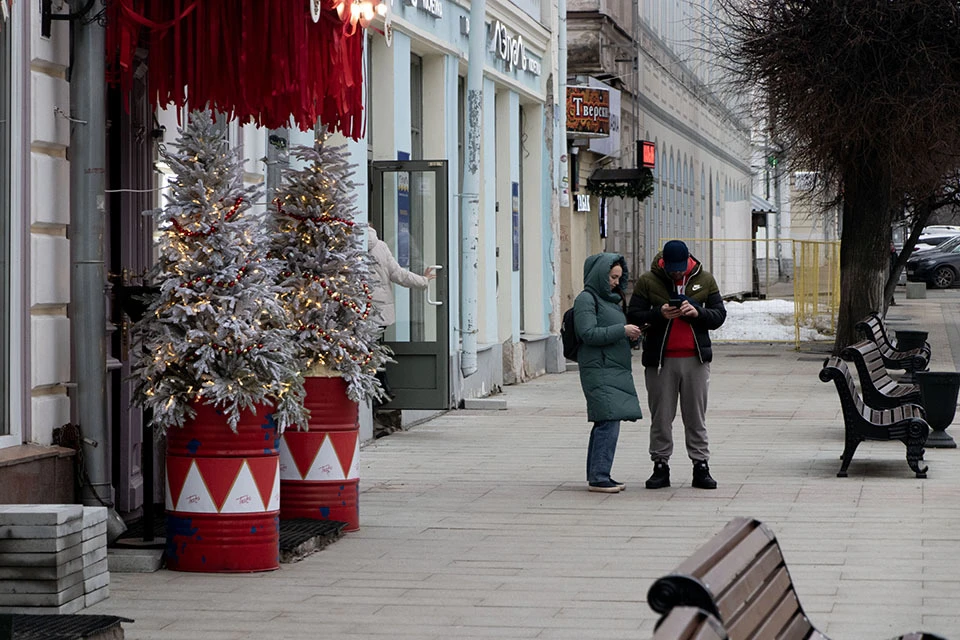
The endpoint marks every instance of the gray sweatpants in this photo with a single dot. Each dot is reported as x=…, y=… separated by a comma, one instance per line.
x=688, y=380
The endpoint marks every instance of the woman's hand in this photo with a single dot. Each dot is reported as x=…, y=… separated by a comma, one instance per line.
x=429, y=273
x=633, y=331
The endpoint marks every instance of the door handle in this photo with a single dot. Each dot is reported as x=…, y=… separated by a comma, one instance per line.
x=436, y=303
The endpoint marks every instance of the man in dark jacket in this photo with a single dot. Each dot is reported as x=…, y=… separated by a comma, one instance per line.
x=681, y=302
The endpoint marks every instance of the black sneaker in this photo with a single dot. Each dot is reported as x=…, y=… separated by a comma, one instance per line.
x=701, y=476
x=622, y=485
x=660, y=477
x=607, y=486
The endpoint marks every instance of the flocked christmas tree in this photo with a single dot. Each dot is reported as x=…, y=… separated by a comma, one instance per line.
x=327, y=269
x=218, y=332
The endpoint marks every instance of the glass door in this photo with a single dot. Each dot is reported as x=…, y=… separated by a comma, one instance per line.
x=409, y=212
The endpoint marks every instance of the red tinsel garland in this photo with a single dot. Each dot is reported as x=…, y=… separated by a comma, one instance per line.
x=323, y=217
x=259, y=60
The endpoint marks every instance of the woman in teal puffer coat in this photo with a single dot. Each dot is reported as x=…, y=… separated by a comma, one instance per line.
x=604, y=358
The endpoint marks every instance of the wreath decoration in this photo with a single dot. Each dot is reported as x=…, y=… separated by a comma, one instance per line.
x=640, y=188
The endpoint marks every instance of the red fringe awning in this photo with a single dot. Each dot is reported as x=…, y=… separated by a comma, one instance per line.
x=255, y=60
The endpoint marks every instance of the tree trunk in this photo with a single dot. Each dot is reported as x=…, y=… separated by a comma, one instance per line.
x=923, y=209
x=864, y=244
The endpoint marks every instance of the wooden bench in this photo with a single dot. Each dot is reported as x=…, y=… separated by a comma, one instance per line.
x=861, y=422
x=740, y=577
x=876, y=386
x=911, y=360
x=689, y=623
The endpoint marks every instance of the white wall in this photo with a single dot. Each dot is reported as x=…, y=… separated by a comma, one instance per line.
x=49, y=215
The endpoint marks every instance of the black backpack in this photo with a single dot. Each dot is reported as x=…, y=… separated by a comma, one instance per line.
x=568, y=333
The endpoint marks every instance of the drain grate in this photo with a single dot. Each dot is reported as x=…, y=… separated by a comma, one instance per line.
x=297, y=537
x=303, y=536
x=66, y=627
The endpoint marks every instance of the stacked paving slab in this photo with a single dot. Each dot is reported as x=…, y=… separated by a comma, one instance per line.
x=53, y=558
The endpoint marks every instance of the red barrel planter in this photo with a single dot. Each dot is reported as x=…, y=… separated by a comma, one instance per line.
x=223, y=494
x=320, y=468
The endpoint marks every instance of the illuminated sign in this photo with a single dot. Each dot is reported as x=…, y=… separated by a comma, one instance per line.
x=588, y=111
x=648, y=154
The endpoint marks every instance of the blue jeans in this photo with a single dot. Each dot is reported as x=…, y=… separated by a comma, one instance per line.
x=600, y=451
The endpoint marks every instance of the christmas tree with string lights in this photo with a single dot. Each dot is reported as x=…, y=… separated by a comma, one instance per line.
x=326, y=269
x=217, y=333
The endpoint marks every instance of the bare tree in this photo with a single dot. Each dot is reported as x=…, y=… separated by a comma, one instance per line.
x=866, y=93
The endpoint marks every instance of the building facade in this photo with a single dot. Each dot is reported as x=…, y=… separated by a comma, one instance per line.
x=418, y=112
x=416, y=104
x=670, y=80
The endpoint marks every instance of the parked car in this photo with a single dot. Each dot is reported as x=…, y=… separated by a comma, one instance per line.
x=942, y=242
x=940, y=228
x=939, y=268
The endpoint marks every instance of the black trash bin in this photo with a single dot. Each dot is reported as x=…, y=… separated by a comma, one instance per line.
x=938, y=393
x=908, y=339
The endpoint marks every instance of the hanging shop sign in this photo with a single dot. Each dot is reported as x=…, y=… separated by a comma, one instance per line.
x=609, y=146
x=583, y=202
x=512, y=51
x=647, y=152
x=588, y=112
x=431, y=7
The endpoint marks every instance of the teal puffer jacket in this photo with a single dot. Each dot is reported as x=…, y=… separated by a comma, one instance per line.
x=604, y=357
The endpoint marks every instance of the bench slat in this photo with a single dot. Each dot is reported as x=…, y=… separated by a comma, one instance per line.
x=718, y=546
x=736, y=562
x=801, y=627
x=689, y=623
x=739, y=594
x=767, y=599
x=779, y=624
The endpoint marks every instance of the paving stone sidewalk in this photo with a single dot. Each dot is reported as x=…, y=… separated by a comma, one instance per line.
x=477, y=524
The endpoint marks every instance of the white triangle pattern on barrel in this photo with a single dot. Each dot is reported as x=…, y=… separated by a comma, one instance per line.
x=354, y=472
x=275, y=494
x=167, y=494
x=288, y=468
x=195, y=497
x=326, y=466
x=244, y=497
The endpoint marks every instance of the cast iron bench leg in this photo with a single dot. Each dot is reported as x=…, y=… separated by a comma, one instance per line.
x=848, y=450
x=916, y=437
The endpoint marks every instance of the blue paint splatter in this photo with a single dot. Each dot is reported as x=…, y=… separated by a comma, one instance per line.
x=203, y=559
x=178, y=527
x=269, y=451
x=193, y=446
x=272, y=432
x=325, y=512
x=253, y=529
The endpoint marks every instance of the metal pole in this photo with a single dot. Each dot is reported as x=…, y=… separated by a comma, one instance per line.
x=470, y=201
x=87, y=219
x=277, y=141
x=776, y=204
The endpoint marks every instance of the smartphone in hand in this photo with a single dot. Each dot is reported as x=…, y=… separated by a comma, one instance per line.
x=675, y=302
